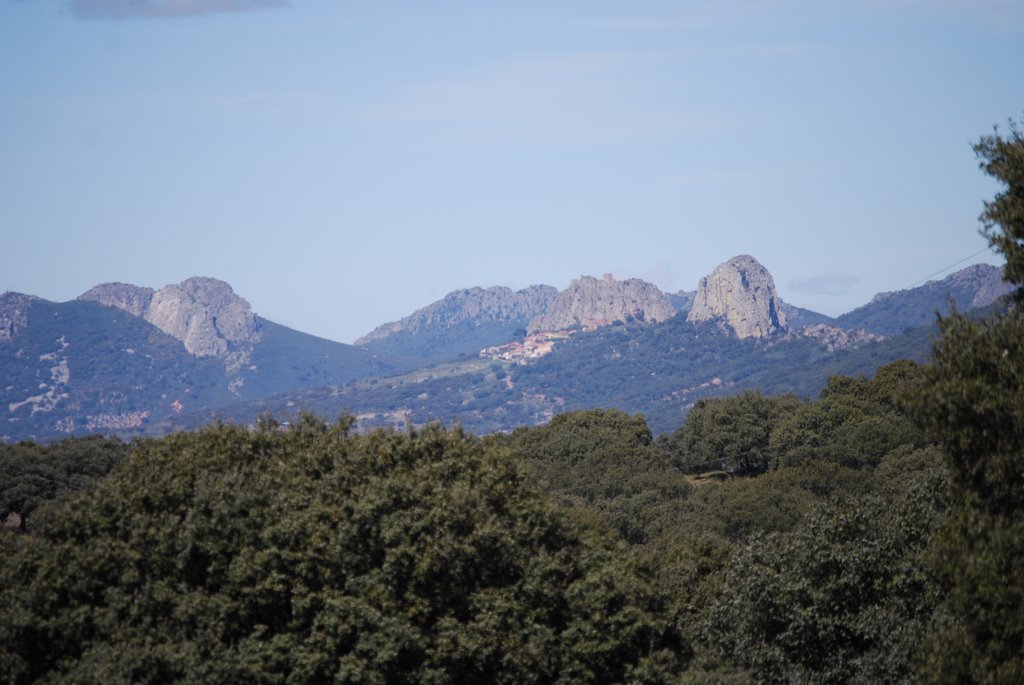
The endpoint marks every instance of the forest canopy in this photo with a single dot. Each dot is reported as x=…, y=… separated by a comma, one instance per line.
x=311, y=555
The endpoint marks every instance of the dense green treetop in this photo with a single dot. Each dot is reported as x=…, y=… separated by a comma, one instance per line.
x=855, y=422
x=972, y=400
x=842, y=597
x=602, y=462
x=730, y=433
x=31, y=474
x=313, y=555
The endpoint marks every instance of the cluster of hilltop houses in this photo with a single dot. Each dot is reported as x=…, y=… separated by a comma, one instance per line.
x=532, y=347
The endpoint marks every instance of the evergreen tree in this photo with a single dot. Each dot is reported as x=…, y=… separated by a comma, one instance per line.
x=1002, y=158
x=972, y=401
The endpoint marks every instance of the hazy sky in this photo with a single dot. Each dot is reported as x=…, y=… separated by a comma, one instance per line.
x=342, y=164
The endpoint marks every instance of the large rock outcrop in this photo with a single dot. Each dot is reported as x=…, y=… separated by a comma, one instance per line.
x=590, y=302
x=835, y=338
x=133, y=299
x=985, y=280
x=13, y=314
x=205, y=314
x=742, y=293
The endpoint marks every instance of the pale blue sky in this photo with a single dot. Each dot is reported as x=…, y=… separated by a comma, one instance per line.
x=342, y=164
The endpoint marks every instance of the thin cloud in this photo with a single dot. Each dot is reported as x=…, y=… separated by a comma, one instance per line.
x=825, y=284
x=165, y=9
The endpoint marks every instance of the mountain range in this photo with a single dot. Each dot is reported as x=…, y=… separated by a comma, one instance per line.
x=133, y=360
x=120, y=358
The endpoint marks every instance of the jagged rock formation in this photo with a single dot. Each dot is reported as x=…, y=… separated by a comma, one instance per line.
x=203, y=313
x=13, y=314
x=592, y=303
x=835, y=338
x=986, y=281
x=130, y=298
x=479, y=304
x=742, y=293
x=461, y=323
x=892, y=312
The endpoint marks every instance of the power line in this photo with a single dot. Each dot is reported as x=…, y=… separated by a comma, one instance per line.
x=943, y=270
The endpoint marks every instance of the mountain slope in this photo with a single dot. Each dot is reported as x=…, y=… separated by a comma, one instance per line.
x=259, y=357
x=889, y=313
x=658, y=370
x=461, y=323
x=798, y=317
x=83, y=366
x=288, y=359
x=80, y=367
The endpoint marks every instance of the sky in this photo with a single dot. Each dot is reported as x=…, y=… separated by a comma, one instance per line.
x=342, y=164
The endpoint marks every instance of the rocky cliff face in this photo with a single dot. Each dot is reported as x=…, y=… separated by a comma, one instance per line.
x=591, y=303
x=986, y=280
x=203, y=313
x=125, y=296
x=479, y=305
x=742, y=293
x=982, y=284
x=13, y=314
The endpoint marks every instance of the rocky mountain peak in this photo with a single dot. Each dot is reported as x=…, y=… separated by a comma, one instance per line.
x=125, y=296
x=13, y=314
x=477, y=305
x=205, y=314
x=742, y=293
x=592, y=302
x=985, y=280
